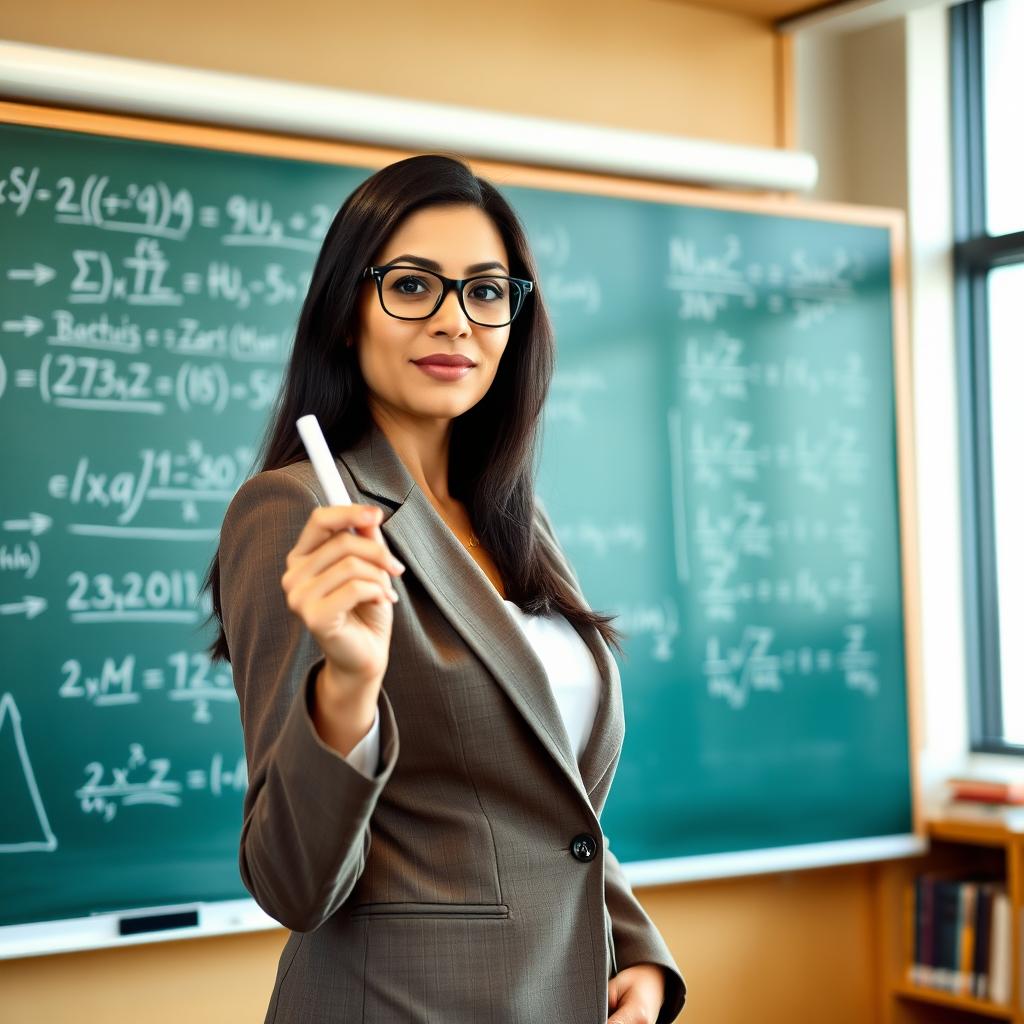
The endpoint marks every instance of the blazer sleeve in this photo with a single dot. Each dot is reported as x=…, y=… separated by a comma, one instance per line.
x=306, y=814
x=635, y=936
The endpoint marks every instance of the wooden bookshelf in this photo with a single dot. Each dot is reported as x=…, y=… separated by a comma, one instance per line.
x=983, y=846
x=977, y=1007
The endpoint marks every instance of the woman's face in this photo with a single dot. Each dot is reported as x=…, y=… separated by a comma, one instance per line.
x=456, y=238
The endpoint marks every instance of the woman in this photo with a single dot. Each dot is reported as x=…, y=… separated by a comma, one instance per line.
x=423, y=803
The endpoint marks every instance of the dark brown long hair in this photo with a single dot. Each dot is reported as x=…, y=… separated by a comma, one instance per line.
x=492, y=458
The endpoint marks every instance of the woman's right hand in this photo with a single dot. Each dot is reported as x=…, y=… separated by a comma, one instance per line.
x=338, y=583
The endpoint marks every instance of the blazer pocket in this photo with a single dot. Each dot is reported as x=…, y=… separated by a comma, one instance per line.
x=467, y=911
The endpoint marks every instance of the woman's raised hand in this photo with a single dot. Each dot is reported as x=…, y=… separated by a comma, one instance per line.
x=339, y=583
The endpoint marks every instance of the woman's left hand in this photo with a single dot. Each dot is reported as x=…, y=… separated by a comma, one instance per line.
x=636, y=994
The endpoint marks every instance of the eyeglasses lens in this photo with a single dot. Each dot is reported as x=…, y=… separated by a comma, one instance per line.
x=491, y=302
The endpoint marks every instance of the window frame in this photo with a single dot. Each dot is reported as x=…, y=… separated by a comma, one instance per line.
x=975, y=254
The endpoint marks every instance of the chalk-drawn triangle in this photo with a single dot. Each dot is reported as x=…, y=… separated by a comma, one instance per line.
x=27, y=829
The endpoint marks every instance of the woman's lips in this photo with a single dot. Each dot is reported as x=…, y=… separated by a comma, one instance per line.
x=439, y=372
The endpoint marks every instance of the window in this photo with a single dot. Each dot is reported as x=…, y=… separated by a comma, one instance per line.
x=987, y=92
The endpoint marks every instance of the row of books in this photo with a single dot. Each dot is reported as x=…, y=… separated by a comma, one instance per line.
x=959, y=931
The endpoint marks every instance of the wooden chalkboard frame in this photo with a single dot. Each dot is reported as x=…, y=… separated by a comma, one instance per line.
x=245, y=915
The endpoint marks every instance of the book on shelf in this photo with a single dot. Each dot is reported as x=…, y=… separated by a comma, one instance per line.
x=984, y=812
x=959, y=935
x=988, y=785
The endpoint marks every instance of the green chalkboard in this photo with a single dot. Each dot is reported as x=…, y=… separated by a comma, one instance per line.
x=719, y=462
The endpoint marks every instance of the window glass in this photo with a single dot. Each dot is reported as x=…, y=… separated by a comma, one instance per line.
x=1003, y=34
x=1006, y=354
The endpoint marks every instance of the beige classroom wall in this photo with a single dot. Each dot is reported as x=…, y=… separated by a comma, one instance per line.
x=776, y=949
x=652, y=65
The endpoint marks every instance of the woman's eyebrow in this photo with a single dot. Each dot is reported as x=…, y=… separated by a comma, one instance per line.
x=433, y=265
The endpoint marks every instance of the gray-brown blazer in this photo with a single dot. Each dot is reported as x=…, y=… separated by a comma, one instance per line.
x=446, y=888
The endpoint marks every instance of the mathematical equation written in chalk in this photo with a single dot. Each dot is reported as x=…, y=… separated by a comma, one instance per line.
x=186, y=677
x=713, y=278
x=145, y=323
x=141, y=780
x=771, y=502
x=160, y=210
x=710, y=280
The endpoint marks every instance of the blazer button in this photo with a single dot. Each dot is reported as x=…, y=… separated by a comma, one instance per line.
x=584, y=846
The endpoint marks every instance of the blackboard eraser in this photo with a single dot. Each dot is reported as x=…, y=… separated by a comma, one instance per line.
x=139, y=924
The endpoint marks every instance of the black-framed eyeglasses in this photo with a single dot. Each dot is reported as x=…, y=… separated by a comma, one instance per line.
x=412, y=293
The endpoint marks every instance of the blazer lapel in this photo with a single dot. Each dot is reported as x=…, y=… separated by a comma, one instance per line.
x=467, y=598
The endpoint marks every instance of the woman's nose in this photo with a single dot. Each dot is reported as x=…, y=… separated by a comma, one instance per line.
x=449, y=318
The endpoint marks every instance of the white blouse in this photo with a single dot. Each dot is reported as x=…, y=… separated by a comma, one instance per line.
x=571, y=671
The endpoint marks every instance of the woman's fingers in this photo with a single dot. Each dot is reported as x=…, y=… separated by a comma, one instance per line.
x=340, y=562
x=338, y=547
x=339, y=567
x=613, y=993
x=636, y=994
x=327, y=554
x=315, y=588
x=327, y=520
x=323, y=615
x=308, y=590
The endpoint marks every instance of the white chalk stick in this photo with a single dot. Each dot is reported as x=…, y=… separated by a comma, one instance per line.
x=323, y=462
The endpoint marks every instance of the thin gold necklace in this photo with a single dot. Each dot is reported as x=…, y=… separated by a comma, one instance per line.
x=474, y=540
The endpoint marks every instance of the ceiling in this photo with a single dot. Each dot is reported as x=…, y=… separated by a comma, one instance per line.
x=769, y=10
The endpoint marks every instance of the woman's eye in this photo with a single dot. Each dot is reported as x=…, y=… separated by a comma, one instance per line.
x=400, y=285
x=488, y=291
